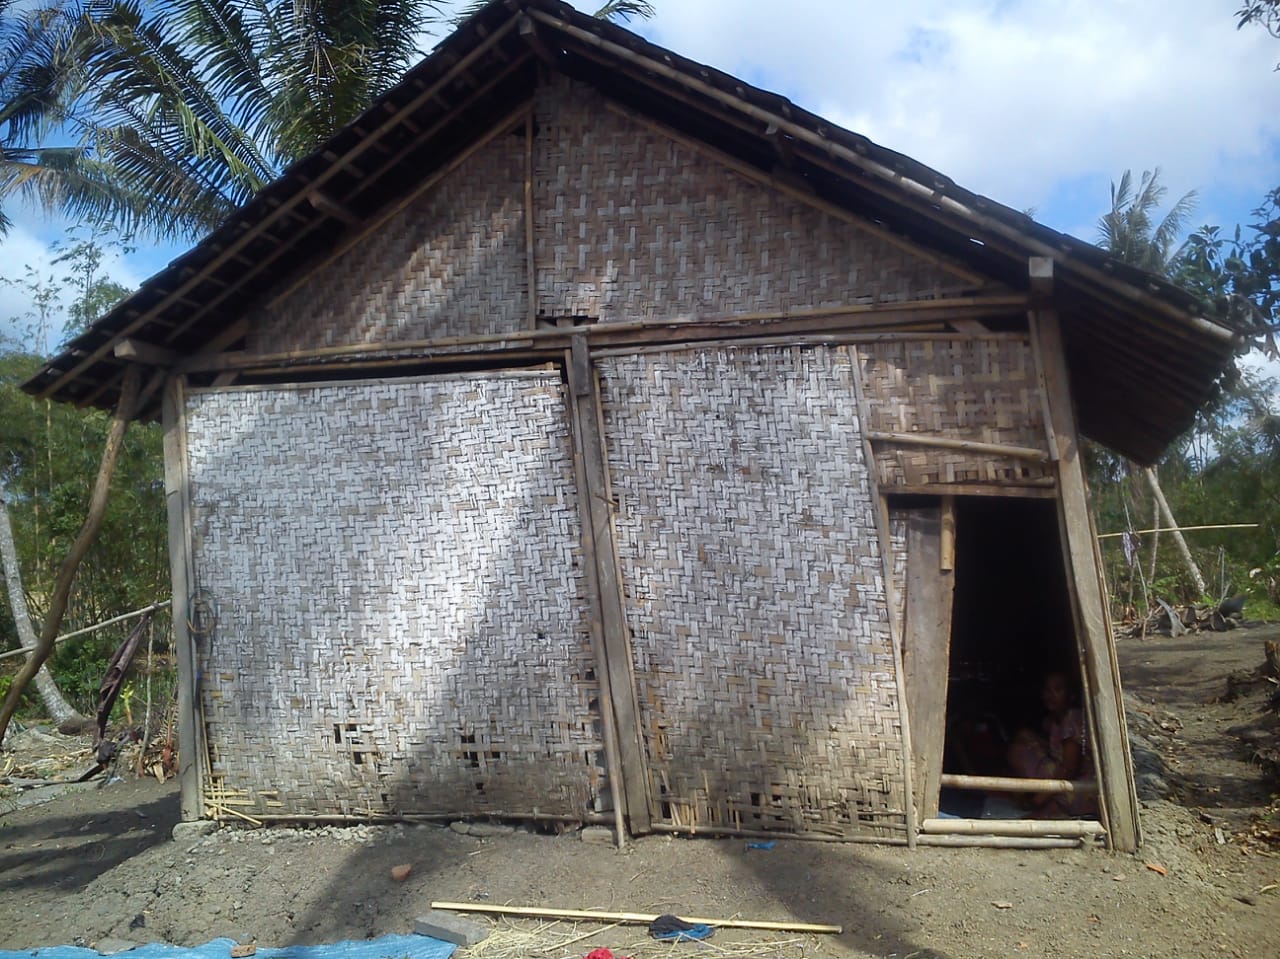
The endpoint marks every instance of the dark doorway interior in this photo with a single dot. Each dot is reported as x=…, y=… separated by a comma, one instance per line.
x=1011, y=625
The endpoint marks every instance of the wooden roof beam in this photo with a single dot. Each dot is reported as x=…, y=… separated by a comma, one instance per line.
x=528, y=31
x=331, y=207
x=148, y=354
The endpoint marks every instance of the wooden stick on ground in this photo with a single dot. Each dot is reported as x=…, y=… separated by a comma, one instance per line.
x=638, y=918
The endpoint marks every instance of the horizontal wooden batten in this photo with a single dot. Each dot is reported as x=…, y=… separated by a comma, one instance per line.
x=853, y=318
x=1039, y=487
x=951, y=443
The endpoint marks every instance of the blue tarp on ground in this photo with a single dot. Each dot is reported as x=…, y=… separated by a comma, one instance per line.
x=385, y=947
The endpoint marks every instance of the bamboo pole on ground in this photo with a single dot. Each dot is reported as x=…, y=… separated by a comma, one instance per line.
x=88, y=533
x=634, y=918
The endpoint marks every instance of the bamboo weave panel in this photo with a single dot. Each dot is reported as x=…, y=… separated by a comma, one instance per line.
x=631, y=225
x=401, y=617
x=452, y=263
x=756, y=601
x=971, y=389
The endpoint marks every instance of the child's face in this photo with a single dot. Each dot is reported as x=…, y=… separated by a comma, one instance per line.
x=1055, y=694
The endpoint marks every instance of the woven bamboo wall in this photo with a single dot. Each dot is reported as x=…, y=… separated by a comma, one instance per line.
x=631, y=225
x=452, y=263
x=401, y=617
x=756, y=597
x=974, y=389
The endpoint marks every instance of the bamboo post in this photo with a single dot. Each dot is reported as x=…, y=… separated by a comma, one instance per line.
x=1101, y=668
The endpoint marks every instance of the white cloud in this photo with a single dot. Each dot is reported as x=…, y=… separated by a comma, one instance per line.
x=1015, y=99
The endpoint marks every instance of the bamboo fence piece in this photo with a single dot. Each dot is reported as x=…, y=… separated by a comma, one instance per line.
x=1012, y=827
x=93, y=629
x=1012, y=784
x=635, y=918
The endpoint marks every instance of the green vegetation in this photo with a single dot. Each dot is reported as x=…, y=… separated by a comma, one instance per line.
x=49, y=455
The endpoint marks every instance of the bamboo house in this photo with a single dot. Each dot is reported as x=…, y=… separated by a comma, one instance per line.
x=583, y=434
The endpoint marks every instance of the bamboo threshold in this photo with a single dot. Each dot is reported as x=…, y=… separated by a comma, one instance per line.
x=634, y=918
x=1004, y=842
x=1012, y=827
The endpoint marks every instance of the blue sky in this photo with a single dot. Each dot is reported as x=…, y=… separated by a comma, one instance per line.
x=1038, y=105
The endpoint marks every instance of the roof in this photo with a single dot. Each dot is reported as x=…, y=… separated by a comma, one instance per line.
x=1141, y=359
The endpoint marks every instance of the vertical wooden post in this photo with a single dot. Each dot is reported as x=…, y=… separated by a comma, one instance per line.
x=190, y=732
x=614, y=667
x=531, y=267
x=880, y=509
x=1088, y=598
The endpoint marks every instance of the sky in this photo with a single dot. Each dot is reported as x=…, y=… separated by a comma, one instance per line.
x=1039, y=105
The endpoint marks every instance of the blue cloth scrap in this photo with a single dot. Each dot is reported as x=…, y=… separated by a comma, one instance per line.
x=762, y=845
x=384, y=947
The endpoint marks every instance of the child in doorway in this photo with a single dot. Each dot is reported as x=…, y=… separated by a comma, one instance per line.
x=1058, y=751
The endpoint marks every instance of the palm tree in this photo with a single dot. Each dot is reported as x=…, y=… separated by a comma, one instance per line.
x=36, y=67
x=1128, y=231
x=192, y=106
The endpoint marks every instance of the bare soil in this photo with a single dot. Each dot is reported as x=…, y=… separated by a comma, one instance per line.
x=99, y=864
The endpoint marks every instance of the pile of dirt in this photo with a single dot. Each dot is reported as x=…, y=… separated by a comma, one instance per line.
x=102, y=865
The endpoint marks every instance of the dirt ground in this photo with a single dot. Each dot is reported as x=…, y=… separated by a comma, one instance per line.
x=99, y=864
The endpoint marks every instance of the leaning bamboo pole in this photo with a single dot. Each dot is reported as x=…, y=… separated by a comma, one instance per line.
x=1178, y=539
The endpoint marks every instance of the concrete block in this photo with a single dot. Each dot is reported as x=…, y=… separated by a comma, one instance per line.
x=598, y=835
x=450, y=928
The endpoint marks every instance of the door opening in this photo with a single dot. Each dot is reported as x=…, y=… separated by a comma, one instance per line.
x=1014, y=702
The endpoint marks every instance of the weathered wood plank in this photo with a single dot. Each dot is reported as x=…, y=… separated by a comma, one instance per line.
x=926, y=652
x=190, y=733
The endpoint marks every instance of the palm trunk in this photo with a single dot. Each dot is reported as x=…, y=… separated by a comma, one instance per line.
x=88, y=533
x=55, y=704
x=1178, y=539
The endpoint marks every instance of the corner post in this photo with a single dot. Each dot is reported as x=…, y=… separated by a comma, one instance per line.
x=190, y=734
x=1084, y=571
